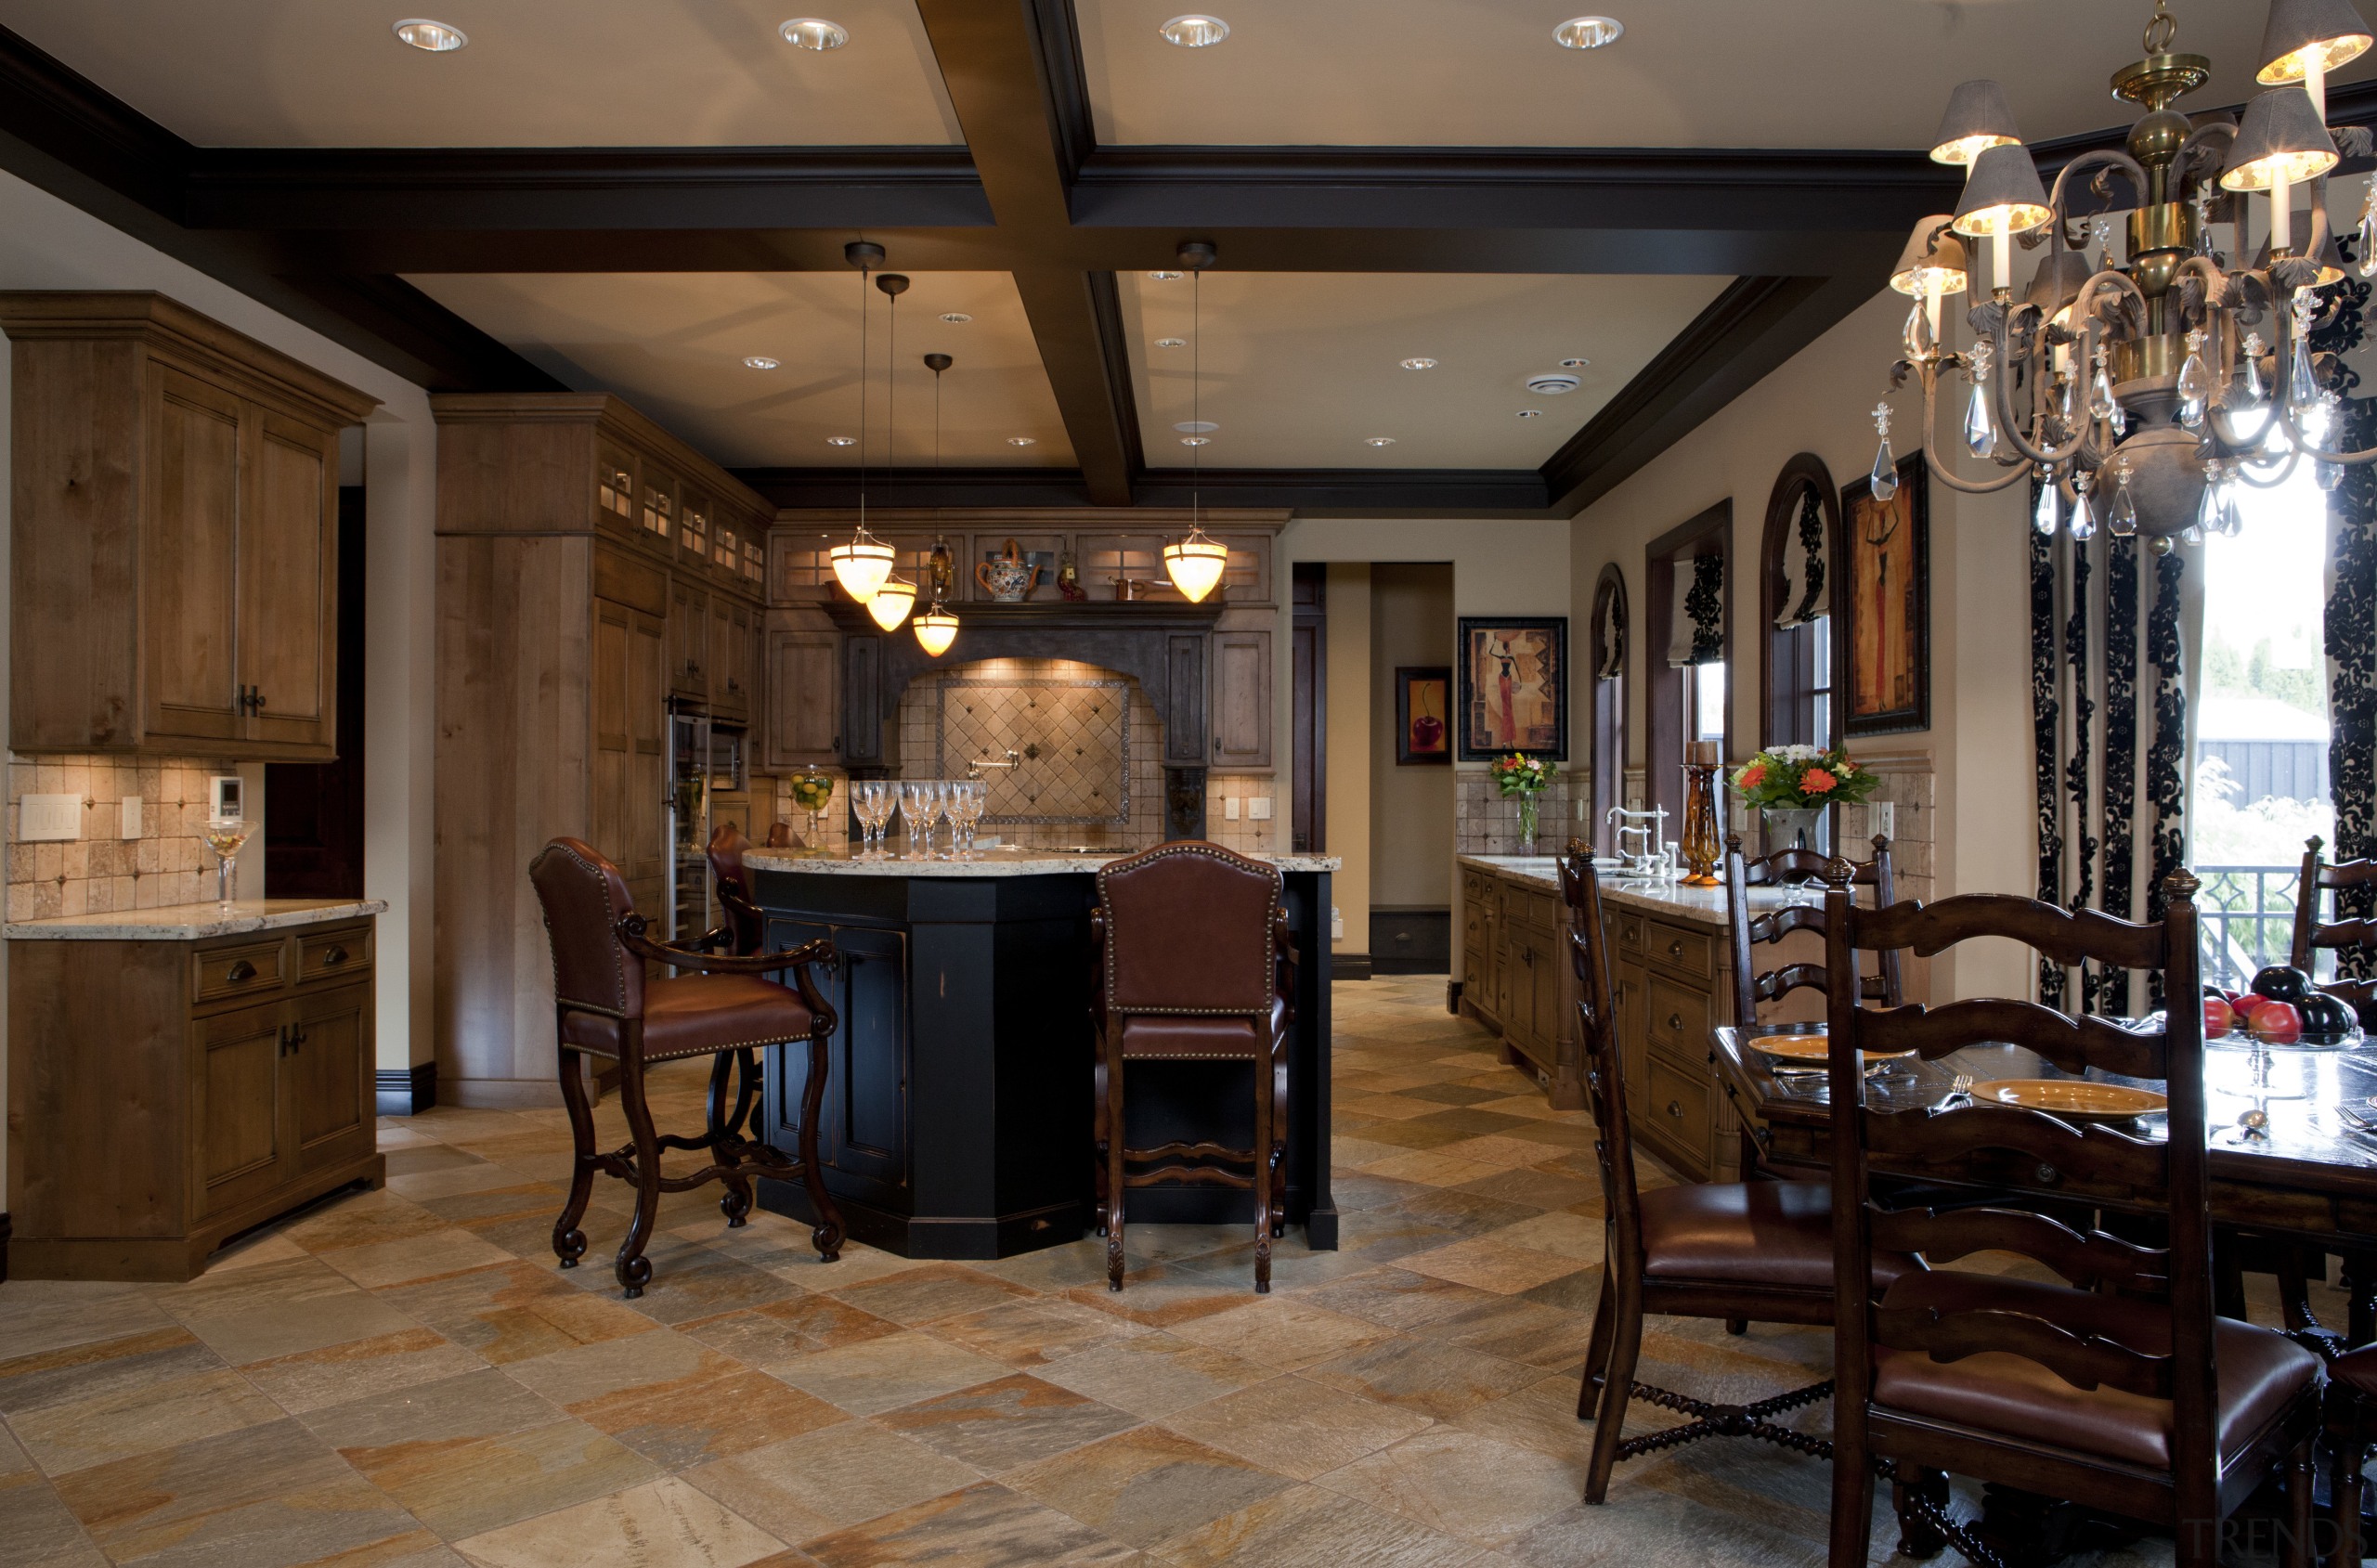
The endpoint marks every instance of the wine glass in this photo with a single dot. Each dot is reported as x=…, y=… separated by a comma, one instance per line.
x=944, y=799
x=967, y=798
x=915, y=816
x=871, y=799
x=224, y=836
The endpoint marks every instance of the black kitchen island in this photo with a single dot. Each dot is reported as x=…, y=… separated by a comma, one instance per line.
x=957, y=1119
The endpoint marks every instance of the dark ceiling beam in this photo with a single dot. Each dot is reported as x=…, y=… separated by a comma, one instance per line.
x=1750, y=328
x=1354, y=492
x=1014, y=81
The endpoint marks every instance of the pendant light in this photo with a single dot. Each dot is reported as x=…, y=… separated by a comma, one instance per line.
x=936, y=628
x=897, y=596
x=862, y=565
x=1195, y=563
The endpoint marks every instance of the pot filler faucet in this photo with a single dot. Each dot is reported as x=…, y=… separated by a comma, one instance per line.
x=977, y=767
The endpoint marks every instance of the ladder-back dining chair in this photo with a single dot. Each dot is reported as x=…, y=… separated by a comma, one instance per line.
x=2120, y=1387
x=2352, y=883
x=1195, y=964
x=605, y=1006
x=1737, y=1252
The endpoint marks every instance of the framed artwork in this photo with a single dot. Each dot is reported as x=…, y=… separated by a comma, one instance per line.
x=1423, y=714
x=1886, y=606
x=1513, y=678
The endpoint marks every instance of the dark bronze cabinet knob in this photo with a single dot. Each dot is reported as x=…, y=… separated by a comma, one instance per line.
x=239, y=972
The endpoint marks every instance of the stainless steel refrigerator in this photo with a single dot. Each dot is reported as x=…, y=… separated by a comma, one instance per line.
x=708, y=784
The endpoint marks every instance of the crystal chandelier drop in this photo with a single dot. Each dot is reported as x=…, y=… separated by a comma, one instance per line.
x=2141, y=395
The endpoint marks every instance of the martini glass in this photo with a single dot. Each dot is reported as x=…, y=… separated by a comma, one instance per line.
x=226, y=836
x=811, y=791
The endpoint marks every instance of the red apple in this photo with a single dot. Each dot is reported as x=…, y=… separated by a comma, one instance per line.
x=2277, y=1023
x=2245, y=1001
x=2218, y=1018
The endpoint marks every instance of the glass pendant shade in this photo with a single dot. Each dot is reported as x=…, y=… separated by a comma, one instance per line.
x=891, y=603
x=862, y=565
x=1978, y=119
x=1934, y=260
x=2302, y=33
x=2280, y=140
x=1195, y=564
x=936, y=629
x=2004, y=196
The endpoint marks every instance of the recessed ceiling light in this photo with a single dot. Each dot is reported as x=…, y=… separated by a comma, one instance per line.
x=1171, y=343
x=1197, y=427
x=1195, y=31
x=1377, y=440
x=1196, y=441
x=1023, y=441
x=814, y=33
x=956, y=318
x=1530, y=413
x=433, y=36
x=1574, y=364
x=1421, y=363
x=1588, y=33
x=840, y=441
x=760, y=362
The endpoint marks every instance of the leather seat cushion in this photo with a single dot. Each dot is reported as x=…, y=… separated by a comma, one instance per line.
x=695, y=1015
x=1231, y=1036
x=2357, y=1368
x=1746, y=1233
x=1999, y=1392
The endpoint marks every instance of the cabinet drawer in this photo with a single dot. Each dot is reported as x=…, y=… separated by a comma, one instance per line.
x=238, y=971
x=1531, y=908
x=1679, y=1103
x=337, y=954
x=1676, y=1016
x=1673, y=947
x=1630, y=931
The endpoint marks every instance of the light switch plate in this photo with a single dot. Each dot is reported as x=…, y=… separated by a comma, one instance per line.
x=130, y=817
x=48, y=818
x=1882, y=817
x=1259, y=808
x=1229, y=809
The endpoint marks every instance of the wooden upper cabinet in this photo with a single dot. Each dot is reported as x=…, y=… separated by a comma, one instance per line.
x=688, y=641
x=175, y=490
x=803, y=698
x=729, y=659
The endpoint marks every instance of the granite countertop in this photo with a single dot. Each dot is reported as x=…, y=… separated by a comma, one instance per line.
x=1002, y=861
x=1702, y=906
x=189, y=923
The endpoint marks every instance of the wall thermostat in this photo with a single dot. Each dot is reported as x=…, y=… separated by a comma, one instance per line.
x=223, y=798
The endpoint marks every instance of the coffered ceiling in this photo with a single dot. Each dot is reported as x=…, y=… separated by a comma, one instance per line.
x=633, y=194
x=674, y=344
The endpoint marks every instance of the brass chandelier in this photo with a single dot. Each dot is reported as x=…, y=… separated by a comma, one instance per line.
x=2144, y=394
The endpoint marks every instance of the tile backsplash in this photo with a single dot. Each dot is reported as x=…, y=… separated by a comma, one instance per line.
x=1093, y=767
x=100, y=871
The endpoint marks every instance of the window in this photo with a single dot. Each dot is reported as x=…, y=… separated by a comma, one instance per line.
x=1609, y=705
x=1687, y=652
x=1704, y=704
x=2262, y=734
x=1795, y=607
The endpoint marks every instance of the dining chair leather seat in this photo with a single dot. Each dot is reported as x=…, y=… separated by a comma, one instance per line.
x=1744, y=1233
x=2260, y=1371
x=2358, y=1368
x=1229, y=1037
x=699, y=1015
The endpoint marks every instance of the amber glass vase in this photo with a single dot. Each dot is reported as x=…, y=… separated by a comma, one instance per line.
x=1700, y=836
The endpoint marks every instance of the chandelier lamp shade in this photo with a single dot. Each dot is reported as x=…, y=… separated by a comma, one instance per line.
x=1976, y=119
x=1195, y=563
x=936, y=629
x=891, y=603
x=862, y=565
x=2144, y=381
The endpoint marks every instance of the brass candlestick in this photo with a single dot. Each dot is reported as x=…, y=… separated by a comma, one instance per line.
x=1699, y=844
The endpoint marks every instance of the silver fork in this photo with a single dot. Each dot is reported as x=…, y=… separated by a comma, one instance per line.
x=1961, y=1089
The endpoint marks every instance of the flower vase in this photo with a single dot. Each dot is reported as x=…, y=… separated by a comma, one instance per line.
x=1526, y=824
x=1798, y=828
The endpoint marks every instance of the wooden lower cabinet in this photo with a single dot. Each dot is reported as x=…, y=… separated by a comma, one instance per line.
x=863, y=1127
x=1669, y=975
x=165, y=1095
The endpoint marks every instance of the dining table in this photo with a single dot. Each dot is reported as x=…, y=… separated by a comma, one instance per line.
x=2293, y=1132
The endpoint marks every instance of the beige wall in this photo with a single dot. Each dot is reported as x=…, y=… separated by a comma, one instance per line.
x=1349, y=750
x=1978, y=748
x=1411, y=806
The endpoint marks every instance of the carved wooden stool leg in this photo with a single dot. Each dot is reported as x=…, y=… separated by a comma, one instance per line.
x=1280, y=1144
x=634, y=1270
x=2347, y=1449
x=2295, y=1550
x=1115, y=1137
x=1100, y=1134
x=1262, y=1177
x=1597, y=1347
x=569, y=1242
x=735, y=1203
x=1918, y=1537
x=827, y=1235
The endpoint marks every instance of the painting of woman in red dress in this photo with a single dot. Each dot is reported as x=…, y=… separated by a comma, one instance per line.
x=1514, y=686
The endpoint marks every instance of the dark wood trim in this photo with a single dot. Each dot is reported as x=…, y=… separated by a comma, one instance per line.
x=1803, y=472
x=1313, y=492
x=1662, y=686
x=1308, y=696
x=1077, y=325
x=1350, y=965
x=1609, y=734
x=407, y=1091
x=7, y=1228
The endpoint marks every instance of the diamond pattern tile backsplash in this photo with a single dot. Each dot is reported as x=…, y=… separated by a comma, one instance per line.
x=1091, y=748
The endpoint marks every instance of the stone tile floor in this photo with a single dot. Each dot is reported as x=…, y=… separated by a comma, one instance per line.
x=403, y=1378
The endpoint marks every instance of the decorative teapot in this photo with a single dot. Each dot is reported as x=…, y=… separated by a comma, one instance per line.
x=1009, y=579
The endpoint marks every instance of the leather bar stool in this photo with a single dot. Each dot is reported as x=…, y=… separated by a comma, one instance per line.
x=605, y=1006
x=1195, y=965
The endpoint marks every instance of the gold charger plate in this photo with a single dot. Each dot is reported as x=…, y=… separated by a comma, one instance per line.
x=2071, y=1096
x=1807, y=1048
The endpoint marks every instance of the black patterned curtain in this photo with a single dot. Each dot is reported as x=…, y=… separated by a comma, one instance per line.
x=2351, y=637
x=1697, y=633
x=2109, y=716
x=1804, y=597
